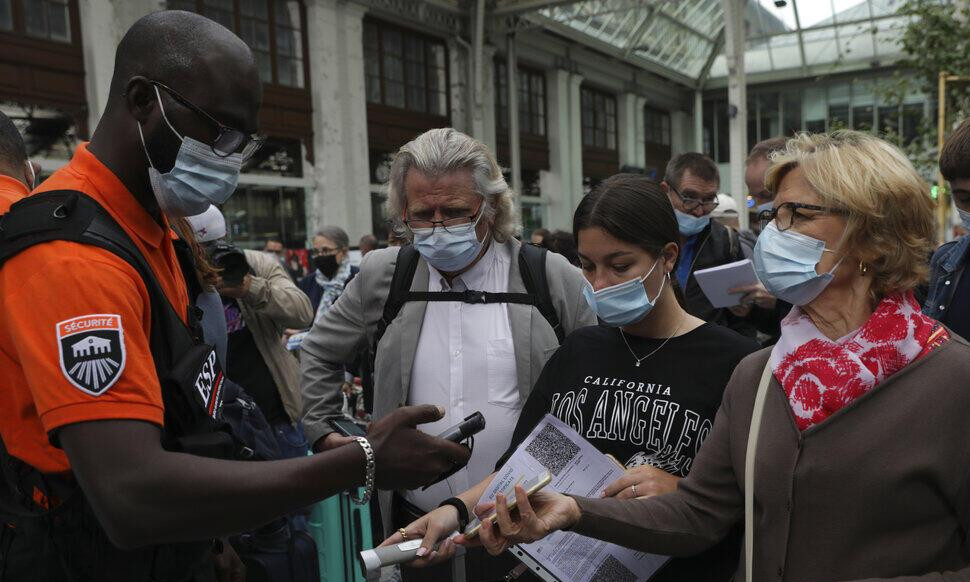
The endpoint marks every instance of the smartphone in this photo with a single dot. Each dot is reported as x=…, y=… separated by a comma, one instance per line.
x=531, y=486
x=346, y=426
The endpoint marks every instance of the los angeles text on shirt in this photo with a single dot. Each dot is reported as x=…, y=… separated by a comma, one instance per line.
x=628, y=415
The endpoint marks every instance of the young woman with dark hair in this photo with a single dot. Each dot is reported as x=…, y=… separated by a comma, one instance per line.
x=645, y=384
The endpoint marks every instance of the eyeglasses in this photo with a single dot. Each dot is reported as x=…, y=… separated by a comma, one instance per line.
x=785, y=215
x=709, y=203
x=448, y=223
x=324, y=252
x=229, y=140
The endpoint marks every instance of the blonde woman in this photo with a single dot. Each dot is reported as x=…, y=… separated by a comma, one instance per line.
x=862, y=463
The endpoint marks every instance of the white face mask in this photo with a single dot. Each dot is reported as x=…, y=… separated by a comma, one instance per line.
x=198, y=178
x=625, y=303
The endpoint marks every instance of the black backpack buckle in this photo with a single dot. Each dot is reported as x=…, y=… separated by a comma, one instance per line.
x=472, y=296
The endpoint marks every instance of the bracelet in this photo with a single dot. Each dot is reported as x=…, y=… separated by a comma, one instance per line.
x=462, y=511
x=371, y=469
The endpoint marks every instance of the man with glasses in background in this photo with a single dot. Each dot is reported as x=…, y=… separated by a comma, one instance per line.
x=462, y=335
x=692, y=181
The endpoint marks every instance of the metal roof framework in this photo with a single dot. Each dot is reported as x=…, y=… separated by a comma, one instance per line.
x=684, y=39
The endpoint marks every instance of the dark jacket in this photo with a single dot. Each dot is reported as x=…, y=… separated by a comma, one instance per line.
x=946, y=267
x=716, y=245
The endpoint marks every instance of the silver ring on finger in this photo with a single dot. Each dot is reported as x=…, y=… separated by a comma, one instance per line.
x=634, y=488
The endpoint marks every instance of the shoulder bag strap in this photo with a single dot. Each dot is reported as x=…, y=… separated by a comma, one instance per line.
x=754, y=432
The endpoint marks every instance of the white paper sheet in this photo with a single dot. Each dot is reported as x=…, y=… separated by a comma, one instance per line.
x=577, y=467
x=716, y=281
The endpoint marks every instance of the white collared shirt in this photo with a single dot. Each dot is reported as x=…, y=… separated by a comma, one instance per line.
x=465, y=362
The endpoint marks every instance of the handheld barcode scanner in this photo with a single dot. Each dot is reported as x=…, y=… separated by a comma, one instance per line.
x=461, y=432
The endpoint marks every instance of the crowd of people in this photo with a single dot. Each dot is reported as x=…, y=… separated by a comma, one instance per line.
x=168, y=406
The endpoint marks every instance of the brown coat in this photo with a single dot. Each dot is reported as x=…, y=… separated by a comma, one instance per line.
x=880, y=489
x=273, y=304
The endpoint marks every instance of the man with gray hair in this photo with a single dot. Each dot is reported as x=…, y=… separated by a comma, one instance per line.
x=466, y=317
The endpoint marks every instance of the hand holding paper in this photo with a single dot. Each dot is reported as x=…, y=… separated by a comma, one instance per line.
x=720, y=284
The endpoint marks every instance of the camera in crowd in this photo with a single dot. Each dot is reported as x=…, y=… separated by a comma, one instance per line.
x=231, y=262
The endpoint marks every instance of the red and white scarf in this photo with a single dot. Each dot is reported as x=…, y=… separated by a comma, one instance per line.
x=820, y=376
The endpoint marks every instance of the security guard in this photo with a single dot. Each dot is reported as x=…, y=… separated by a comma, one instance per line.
x=87, y=414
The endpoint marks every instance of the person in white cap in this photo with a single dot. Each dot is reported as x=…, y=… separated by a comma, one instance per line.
x=726, y=211
x=256, y=312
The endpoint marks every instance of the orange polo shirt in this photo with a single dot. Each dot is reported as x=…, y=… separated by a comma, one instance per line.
x=11, y=190
x=75, y=323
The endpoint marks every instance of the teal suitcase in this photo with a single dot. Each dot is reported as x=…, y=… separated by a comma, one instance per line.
x=341, y=529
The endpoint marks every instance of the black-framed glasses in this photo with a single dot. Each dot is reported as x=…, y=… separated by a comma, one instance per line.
x=709, y=203
x=446, y=224
x=786, y=215
x=229, y=140
x=324, y=252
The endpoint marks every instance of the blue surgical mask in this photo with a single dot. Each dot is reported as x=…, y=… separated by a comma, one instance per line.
x=689, y=225
x=450, y=250
x=625, y=303
x=964, y=218
x=785, y=264
x=198, y=179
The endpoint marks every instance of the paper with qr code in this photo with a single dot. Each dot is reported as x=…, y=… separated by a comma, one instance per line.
x=576, y=467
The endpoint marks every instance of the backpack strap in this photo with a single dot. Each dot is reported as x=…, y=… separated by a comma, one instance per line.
x=404, y=268
x=532, y=267
x=734, y=243
x=472, y=296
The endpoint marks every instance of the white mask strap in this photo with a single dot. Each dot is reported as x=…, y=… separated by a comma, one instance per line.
x=165, y=117
x=143, y=146
x=33, y=176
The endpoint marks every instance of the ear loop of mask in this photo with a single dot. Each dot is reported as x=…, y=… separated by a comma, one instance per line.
x=141, y=135
x=33, y=175
x=841, y=255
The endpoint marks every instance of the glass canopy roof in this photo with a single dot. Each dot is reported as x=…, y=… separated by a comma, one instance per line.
x=684, y=38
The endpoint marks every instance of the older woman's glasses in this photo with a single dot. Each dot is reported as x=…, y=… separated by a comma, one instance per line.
x=708, y=202
x=790, y=213
x=423, y=219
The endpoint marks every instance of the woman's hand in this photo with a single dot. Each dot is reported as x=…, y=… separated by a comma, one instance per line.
x=643, y=481
x=432, y=527
x=546, y=512
x=753, y=295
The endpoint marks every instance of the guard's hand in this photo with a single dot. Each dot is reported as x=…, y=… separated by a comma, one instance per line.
x=235, y=292
x=431, y=527
x=647, y=480
x=534, y=519
x=331, y=441
x=753, y=295
x=408, y=458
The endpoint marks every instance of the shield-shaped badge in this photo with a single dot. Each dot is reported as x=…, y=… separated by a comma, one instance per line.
x=92, y=349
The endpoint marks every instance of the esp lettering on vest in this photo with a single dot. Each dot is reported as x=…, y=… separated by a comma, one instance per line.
x=209, y=385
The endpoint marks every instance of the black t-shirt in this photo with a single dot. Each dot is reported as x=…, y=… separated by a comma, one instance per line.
x=246, y=366
x=657, y=414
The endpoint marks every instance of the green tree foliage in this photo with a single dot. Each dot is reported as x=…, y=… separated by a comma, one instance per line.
x=935, y=38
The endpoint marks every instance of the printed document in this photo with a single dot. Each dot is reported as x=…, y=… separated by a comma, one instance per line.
x=716, y=281
x=577, y=467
